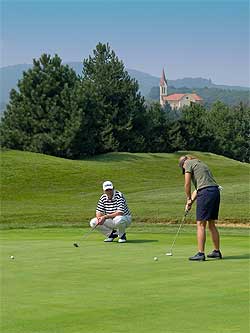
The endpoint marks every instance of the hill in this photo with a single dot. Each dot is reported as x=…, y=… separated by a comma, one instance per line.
x=147, y=82
x=11, y=74
x=41, y=190
x=210, y=95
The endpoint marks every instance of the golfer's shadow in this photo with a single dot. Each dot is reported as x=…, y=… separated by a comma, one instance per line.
x=142, y=241
x=240, y=256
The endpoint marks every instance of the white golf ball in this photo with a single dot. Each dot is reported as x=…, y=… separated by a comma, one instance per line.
x=12, y=257
x=155, y=258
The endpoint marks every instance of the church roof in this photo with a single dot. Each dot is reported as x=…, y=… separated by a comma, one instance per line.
x=178, y=97
x=173, y=97
x=197, y=97
x=163, y=80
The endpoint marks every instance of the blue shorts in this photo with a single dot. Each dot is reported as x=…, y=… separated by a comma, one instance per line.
x=208, y=203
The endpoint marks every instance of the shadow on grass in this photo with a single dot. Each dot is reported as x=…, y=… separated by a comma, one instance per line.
x=240, y=256
x=137, y=241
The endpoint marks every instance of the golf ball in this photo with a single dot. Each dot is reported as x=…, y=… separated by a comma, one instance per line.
x=12, y=257
x=155, y=258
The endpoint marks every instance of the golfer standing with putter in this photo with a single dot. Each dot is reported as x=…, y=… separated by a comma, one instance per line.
x=112, y=214
x=207, y=195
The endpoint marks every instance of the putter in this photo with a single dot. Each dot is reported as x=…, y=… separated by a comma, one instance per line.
x=86, y=235
x=170, y=253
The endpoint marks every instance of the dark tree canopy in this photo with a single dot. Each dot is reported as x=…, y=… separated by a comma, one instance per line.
x=42, y=114
x=115, y=100
x=55, y=112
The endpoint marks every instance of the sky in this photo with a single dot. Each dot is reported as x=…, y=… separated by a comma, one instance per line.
x=188, y=38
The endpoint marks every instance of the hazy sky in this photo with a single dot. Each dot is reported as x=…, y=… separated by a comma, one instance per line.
x=189, y=38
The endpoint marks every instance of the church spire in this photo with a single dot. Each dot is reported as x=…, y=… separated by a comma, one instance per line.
x=163, y=80
x=163, y=87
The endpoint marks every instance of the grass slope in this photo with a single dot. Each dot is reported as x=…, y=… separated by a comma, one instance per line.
x=53, y=287
x=41, y=190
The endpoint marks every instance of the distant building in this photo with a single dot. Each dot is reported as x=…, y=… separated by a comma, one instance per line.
x=176, y=101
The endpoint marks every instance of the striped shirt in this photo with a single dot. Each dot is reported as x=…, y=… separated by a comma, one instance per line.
x=116, y=203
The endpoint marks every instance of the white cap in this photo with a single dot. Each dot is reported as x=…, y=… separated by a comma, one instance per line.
x=107, y=185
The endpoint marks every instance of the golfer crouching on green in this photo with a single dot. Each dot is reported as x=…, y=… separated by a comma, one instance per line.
x=112, y=214
x=207, y=195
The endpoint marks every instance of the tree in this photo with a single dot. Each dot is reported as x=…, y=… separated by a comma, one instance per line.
x=231, y=128
x=43, y=114
x=241, y=133
x=157, y=129
x=178, y=136
x=114, y=104
x=194, y=120
x=220, y=122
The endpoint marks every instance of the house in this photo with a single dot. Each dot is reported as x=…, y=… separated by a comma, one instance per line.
x=176, y=101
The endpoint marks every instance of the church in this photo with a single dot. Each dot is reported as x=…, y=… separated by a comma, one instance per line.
x=176, y=101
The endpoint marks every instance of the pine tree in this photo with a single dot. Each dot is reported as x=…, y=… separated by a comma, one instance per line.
x=114, y=105
x=157, y=129
x=197, y=129
x=231, y=128
x=241, y=133
x=43, y=113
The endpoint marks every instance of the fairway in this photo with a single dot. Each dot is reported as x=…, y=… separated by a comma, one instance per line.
x=53, y=287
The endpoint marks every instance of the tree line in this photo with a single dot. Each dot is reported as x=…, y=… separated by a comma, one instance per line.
x=54, y=111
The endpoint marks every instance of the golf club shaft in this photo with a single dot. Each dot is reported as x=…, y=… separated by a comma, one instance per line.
x=182, y=222
x=89, y=232
x=86, y=235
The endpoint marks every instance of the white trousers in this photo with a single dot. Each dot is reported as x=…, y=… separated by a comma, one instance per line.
x=120, y=222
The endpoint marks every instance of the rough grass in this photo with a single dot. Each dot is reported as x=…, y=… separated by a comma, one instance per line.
x=39, y=190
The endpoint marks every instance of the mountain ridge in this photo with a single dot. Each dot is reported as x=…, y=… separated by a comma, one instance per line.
x=10, y=75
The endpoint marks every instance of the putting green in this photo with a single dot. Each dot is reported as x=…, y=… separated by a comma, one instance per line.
x=53, y=287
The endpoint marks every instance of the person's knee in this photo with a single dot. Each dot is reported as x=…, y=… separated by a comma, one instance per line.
x=118, y=219
x=211, y=225
x=201, y=224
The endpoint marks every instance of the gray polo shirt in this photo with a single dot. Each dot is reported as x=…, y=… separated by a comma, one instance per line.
x=200, y=174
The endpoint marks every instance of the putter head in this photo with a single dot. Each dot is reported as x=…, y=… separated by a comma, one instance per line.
x=76, y=245
x=169, y=254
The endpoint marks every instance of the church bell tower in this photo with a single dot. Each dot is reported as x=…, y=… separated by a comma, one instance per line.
x=163, y=88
